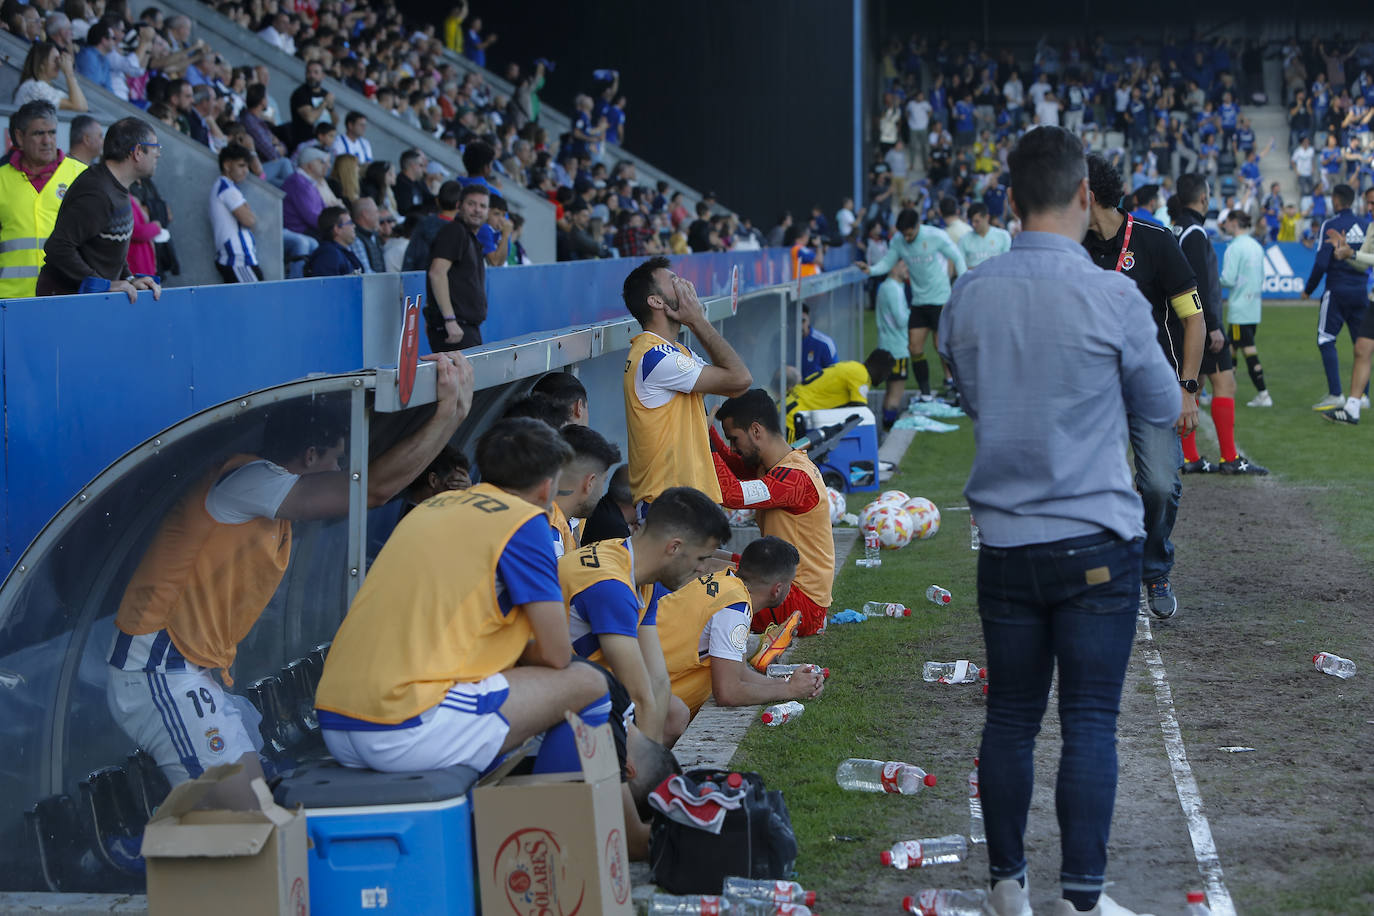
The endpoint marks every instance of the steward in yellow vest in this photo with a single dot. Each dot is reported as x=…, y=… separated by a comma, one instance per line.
x=33, y=182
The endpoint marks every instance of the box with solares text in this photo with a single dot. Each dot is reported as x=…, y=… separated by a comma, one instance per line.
x=555, y=843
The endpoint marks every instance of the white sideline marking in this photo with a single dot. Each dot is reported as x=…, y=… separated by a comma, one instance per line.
x=1204, y=848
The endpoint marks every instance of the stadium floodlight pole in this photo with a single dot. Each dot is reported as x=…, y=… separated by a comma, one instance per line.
x=858, y=75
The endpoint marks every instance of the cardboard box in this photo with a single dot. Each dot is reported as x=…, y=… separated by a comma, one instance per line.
x=225, y=863
x=554, y=845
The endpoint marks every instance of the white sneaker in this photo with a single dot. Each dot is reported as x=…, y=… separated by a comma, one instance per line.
x=1261, y=400
x=1106, y=906
x=1008, y=898
x=1330, y=402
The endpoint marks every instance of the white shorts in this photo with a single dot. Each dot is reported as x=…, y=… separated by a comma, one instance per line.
x=184, y=719
x=466, y=728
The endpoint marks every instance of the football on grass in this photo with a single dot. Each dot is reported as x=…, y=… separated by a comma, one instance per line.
x=925, y=518
x=894, y=527
x=837, y=505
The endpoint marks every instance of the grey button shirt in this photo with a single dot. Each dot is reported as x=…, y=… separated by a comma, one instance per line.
x=1050, y=352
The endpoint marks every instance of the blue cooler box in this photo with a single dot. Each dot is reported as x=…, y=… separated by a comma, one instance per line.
x=400, y=842
x=855, y=455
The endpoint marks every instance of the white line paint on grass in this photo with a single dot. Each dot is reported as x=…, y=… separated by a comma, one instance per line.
x=1204, y=848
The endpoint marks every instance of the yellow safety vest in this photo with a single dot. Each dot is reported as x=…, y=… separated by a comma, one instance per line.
x=26, y=220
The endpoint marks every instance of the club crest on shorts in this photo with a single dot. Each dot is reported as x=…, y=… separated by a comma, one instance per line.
x=1128, y=260
x=216, y=740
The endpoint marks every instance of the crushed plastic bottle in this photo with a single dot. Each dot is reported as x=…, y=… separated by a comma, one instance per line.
x=789, y=670
x=1197, y=904
x=885, y=609
x=945, y=903
x=962, y=671
x=768, y=891
x=937, y=595
x=872, y=557
x=977, y=830
x=1330, y=663
x=944, y=850
x=782, y=712
x=975, y=535
x=858, y=774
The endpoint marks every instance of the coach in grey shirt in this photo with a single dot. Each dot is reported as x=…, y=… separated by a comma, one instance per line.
x=1049, y=353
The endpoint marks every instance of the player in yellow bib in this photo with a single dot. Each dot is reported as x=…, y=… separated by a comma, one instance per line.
x=665, y=384
x=454, y=656
x=580, y=485
x=610, y=592
x=704, y=628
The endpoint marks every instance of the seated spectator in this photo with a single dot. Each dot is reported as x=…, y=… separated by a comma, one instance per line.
x=344, y=179
x=325, y=135
x=367, y=243
x=394, y=240
x=81, y=17
x=130, y=64
x=333, y=258
x=611, y=588
x=378, y=180
x=24, y=20
x=87, y=139
x=232, y=219
x=304, y=191
x=93, y=61
x=704, y=628
x=44, y=63
x=142, y=258
x=271, y=151
x=203, y=117
x=281, y=32
x=411, y=187
x=478, y=160
x=352, y=141
x=574, y=241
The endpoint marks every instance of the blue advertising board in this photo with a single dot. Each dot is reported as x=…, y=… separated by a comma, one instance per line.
x=1286, y=268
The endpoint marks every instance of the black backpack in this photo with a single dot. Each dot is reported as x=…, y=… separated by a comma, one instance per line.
x=755, y=841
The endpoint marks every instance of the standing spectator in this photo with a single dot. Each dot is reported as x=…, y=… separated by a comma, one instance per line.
x=333, y=258
x=1299, y=118
x=698, y=233
x=271, y=151
x=453, y=27
x=127, y=65
x=87, y=139
x=1302, y=162
x=495, y=234
x=776, y=234
x=1014, y=91
x=411, y=191
x=352, y=141
x=367, y=242
x=889, y=123
x=310, y=103
x=142, y=257
x=574, y=240
x=425, y=227
x=89, y=245
x=182, y=97
x=918, y=127
x=1059, y=575
x=844, y=217
x=474, y=45
x=232, y=220
x=44, y=63
x=33, y=181
x=457, y=277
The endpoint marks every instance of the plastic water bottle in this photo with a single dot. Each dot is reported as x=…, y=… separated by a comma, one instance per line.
x=1330, y=663
x=789, y=670
x=961, y=672
x=709, y=905
x=945, y=903
x=885, y=609
x=782, y=712
x=937, y=595
x=1197, y=904
x=975, y=537
x=769, y=891
x=860, y=775
x=871, y=558
x=944, y=850
x=977, y=832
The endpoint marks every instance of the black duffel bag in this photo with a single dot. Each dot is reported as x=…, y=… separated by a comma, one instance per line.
x=755, y=841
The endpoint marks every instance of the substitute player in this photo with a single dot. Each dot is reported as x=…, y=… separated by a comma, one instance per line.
x=665, y=384
x=1149, y=255
x=759, y=470
x=928, y=252
x=893, y=313
x=580, y=485
x=454, y=656
x=985, y=241
x=608, y=588
x=1188, y=212
x=1346, y=300
x=1242, y=271
x=215, y=563
x=1349, y=414
x=843, y=384
x=704, y=627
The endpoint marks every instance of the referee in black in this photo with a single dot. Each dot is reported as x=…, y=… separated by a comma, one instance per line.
x=1149, y=255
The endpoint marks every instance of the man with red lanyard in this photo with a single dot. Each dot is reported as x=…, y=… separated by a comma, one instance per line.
x=1150, y=256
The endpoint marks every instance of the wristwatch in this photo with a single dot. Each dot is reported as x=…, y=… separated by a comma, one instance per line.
x=1189, y=385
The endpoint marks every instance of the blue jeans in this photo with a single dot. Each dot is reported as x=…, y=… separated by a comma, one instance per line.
x=1074, y=602
x=296, y=247
x=1158, y=456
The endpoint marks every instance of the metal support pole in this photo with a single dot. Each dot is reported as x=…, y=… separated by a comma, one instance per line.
x=358, y=440
x=782, y=360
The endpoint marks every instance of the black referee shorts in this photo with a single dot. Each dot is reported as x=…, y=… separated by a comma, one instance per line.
x=1216, y=362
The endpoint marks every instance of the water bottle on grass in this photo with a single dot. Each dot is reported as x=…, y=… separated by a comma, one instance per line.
x=885, y=609
x=769, y=891
x=1331, y=663
x=944, y=850
x=960, y=672
x=945, y=903
x=1197, y=904
x=894, y=777
x=977, y=832
x=782, y=712
x=872, y=558
x=937, y=595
